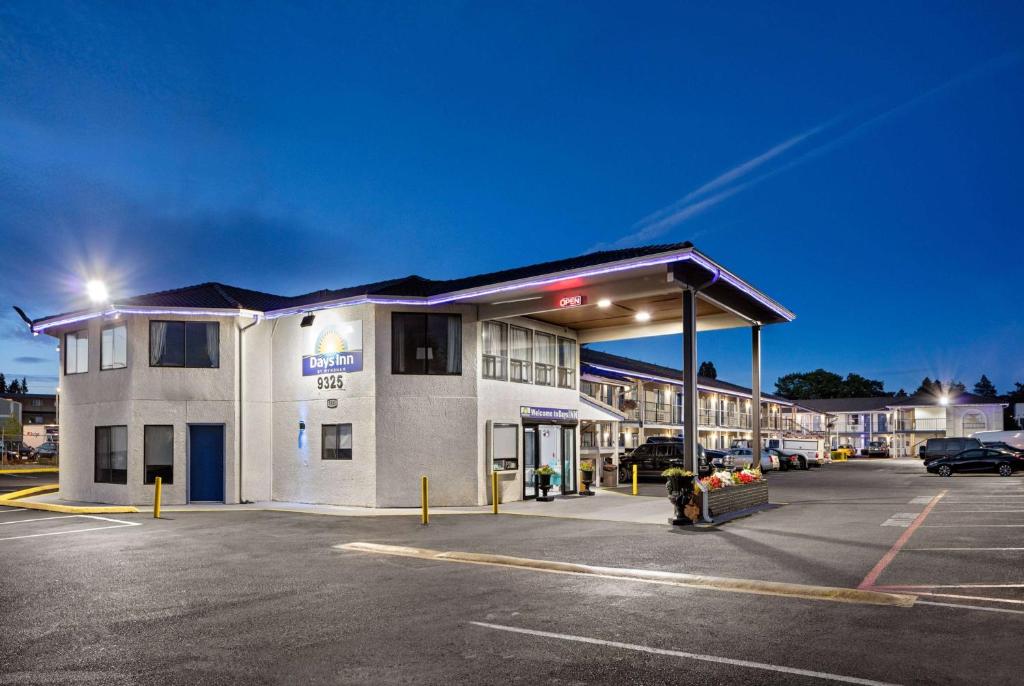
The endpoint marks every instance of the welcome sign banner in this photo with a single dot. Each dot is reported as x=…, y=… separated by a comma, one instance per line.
x=338, y=348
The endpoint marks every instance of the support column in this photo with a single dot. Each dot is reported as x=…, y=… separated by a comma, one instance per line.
x=755, y=387
x=690, y=379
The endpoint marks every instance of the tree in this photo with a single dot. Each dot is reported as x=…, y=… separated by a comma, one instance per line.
x=955, y=388
x=825, y=384
x=24, y=386
x=3, y=383
x=985, y=388
x=707, y=370
x=901, y=393
x=929, y=387
x=14, y=388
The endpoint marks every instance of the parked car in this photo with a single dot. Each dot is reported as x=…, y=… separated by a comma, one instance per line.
x=977, y=460
x=742, y=458
x=1003, y=445
x=846, y=450
x=1014, y=439
x=934, y=448
x=787, y=462
x=655, y=456
x=716, y=458
x=811, y=451
x=47, y=452
x=878, y=449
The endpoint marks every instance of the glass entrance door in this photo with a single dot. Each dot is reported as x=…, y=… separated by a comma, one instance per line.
x=529, y=461
x=569, y=459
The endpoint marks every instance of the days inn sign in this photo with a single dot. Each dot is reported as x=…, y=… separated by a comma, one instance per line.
x=338, y=348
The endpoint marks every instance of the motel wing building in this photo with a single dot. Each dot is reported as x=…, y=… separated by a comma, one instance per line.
x=348, y=396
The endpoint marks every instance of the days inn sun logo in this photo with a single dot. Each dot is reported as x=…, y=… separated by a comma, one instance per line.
x=338, y=348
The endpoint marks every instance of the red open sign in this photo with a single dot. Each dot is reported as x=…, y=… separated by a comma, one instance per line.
x=572, y=301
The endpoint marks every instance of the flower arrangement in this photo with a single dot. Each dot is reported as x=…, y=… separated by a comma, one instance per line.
x=586, y=466
x=544, y=469
x=724, y=479
x=676, y=471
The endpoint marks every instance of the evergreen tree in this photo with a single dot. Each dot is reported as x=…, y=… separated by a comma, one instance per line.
x=24, y=386
x=707, y=369
x=3, y=383
x=985, y=388
x=955, y=388
x=14, y=388
x=929, y=387
x=901, y=393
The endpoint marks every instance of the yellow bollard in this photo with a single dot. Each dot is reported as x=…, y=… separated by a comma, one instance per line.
x=636, y=490
x=156, y=497
x=495, y=496
x=425, y=516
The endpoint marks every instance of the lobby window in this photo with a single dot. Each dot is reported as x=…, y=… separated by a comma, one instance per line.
x=184, y=344
x=158, y=454
x=495, y=349
x=76, y=352
x=336, y=442
x=114, y=347
x=566, y=363
x=545, y=358
x=111, y=451
x=521, y=354
x=426, y=343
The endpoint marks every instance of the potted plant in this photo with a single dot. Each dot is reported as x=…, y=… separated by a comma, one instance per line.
x=679, y=483
x=586, y=477
x=542, y=475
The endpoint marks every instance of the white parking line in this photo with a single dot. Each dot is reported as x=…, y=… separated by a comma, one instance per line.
x=6, y=510
x=903, y=519
x=35, y=519
x=689, y=656
x=972, y=607
x=921, y=500
x=116, y=524
x=963, y=548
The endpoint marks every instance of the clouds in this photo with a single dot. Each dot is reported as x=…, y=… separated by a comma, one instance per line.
x=31, y=359
x=788, y=154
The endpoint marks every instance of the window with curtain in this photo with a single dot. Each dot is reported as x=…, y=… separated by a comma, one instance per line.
x=426, y=343
x=184, y=344
x=76, y=352
x=520, y=354
x=494, y=345
x=545, y=366
x=158, y=454
x=566, y=363
x=336, y=443
x=111, y=455
x=114, y=347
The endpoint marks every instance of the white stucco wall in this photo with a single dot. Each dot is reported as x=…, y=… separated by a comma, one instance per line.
x=299, y=474
x=136, y=396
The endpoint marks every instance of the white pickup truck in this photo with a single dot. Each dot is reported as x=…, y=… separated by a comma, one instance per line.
x=810, y=451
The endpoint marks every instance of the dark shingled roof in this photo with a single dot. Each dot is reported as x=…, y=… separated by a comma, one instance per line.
x=847, y=404
x=627, y=364
x=930, y=399
x=218, y=295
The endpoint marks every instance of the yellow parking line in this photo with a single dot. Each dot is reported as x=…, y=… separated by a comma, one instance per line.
x=31, y=470
x=775, y=588
x=26, y=492
x=14, y=500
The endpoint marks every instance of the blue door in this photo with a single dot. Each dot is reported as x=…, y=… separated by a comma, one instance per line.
x=206, y=463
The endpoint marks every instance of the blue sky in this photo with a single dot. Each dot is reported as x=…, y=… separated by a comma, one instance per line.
x=857, y=161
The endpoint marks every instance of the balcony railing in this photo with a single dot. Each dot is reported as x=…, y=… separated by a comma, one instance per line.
x=912, y=424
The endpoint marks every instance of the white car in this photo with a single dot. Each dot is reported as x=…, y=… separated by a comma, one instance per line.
x=811, y=451
x=743, y=458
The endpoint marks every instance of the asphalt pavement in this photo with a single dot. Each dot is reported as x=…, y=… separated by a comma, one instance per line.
x=266, y=598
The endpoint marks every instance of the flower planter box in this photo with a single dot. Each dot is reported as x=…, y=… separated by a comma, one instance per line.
x=732, y=498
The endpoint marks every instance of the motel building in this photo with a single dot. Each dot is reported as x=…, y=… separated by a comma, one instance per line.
x=347, y=397
x=625, y=402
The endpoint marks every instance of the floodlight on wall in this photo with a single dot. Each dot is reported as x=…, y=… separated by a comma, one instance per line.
x=307, y=320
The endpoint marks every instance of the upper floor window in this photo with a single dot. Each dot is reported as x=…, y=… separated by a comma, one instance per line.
x=76, y=352
x=114, y=347
x=566, y=363
x=37, y=402
x=495, y=349
x=184, y=344
x=426, y=343
x=545, y=358
x=521, y=354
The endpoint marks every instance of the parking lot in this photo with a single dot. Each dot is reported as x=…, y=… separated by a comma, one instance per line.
x=268, y=597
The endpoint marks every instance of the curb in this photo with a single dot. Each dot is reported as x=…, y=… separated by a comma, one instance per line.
x=30, y=470
x=828, y=593
x=13, y=500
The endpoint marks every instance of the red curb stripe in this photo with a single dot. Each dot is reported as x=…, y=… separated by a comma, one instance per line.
x=873, y=575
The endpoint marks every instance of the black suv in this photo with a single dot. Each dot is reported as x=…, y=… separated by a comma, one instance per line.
x=934, y=448
x=655, y=456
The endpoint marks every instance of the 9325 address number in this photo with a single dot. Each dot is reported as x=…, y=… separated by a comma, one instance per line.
x=329, y=382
